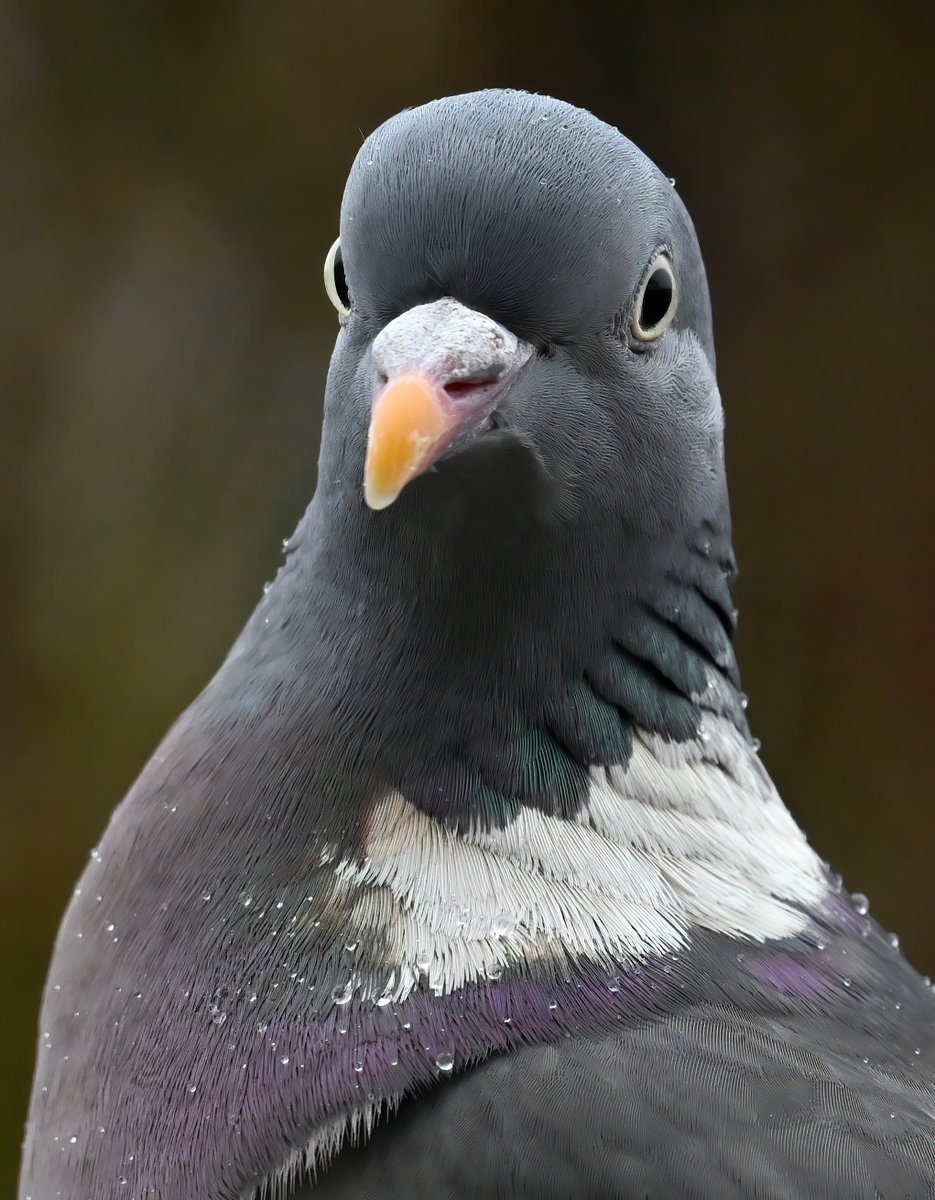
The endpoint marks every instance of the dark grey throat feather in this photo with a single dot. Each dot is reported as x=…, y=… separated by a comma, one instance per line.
x=472, y=803
x=534, y=647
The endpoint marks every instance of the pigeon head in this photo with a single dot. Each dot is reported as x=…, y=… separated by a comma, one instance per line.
x=523, y=445
x=521, y=289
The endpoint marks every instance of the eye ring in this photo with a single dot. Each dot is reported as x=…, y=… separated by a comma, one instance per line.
x=656, y=301
x=335, y=280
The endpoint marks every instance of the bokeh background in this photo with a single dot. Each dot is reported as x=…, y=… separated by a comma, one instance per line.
x=170, y=176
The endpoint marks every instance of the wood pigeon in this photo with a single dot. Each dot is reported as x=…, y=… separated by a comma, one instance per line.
x=463, y=877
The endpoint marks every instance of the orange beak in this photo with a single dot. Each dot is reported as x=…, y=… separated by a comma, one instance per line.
x=444, y=368
x=410, y=425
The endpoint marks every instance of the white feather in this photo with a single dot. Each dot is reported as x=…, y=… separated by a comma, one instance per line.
x=686, y=835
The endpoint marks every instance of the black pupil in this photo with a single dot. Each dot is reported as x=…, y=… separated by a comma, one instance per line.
x=657, y=298
x=340, y=282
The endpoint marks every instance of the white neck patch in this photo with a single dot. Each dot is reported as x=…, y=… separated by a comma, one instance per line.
x=685, y=835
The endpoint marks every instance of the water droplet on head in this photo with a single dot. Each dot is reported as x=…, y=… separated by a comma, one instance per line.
x=206, y=895
x=285, y=1060
x=444, y=1061
x=245, y=899
x=860, y=903
x=893, y=939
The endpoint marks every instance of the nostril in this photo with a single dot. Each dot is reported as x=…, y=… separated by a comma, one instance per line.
x=463, y=387
x=477, y=382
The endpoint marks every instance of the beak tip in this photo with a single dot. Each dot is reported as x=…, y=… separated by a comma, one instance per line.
x=377, y=500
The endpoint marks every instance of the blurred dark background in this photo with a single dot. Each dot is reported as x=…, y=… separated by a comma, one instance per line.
x=170, y=182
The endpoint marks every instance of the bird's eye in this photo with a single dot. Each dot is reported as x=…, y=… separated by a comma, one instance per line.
x=657, y=298
x=335, y=282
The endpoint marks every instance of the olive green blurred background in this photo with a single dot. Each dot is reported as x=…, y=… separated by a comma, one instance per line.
x=170, y=176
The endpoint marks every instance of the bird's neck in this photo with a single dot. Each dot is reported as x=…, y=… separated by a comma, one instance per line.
x=504, y=669
x=557, y=771
x=543, y=779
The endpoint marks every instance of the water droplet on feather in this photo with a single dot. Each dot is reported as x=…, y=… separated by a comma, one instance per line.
x=342, y=993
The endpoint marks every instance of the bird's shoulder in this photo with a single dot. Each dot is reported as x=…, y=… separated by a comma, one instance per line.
x=711, y=1103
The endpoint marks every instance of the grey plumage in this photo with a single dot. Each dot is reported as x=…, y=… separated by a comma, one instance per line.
x=707, y=1103
x=466, y=852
